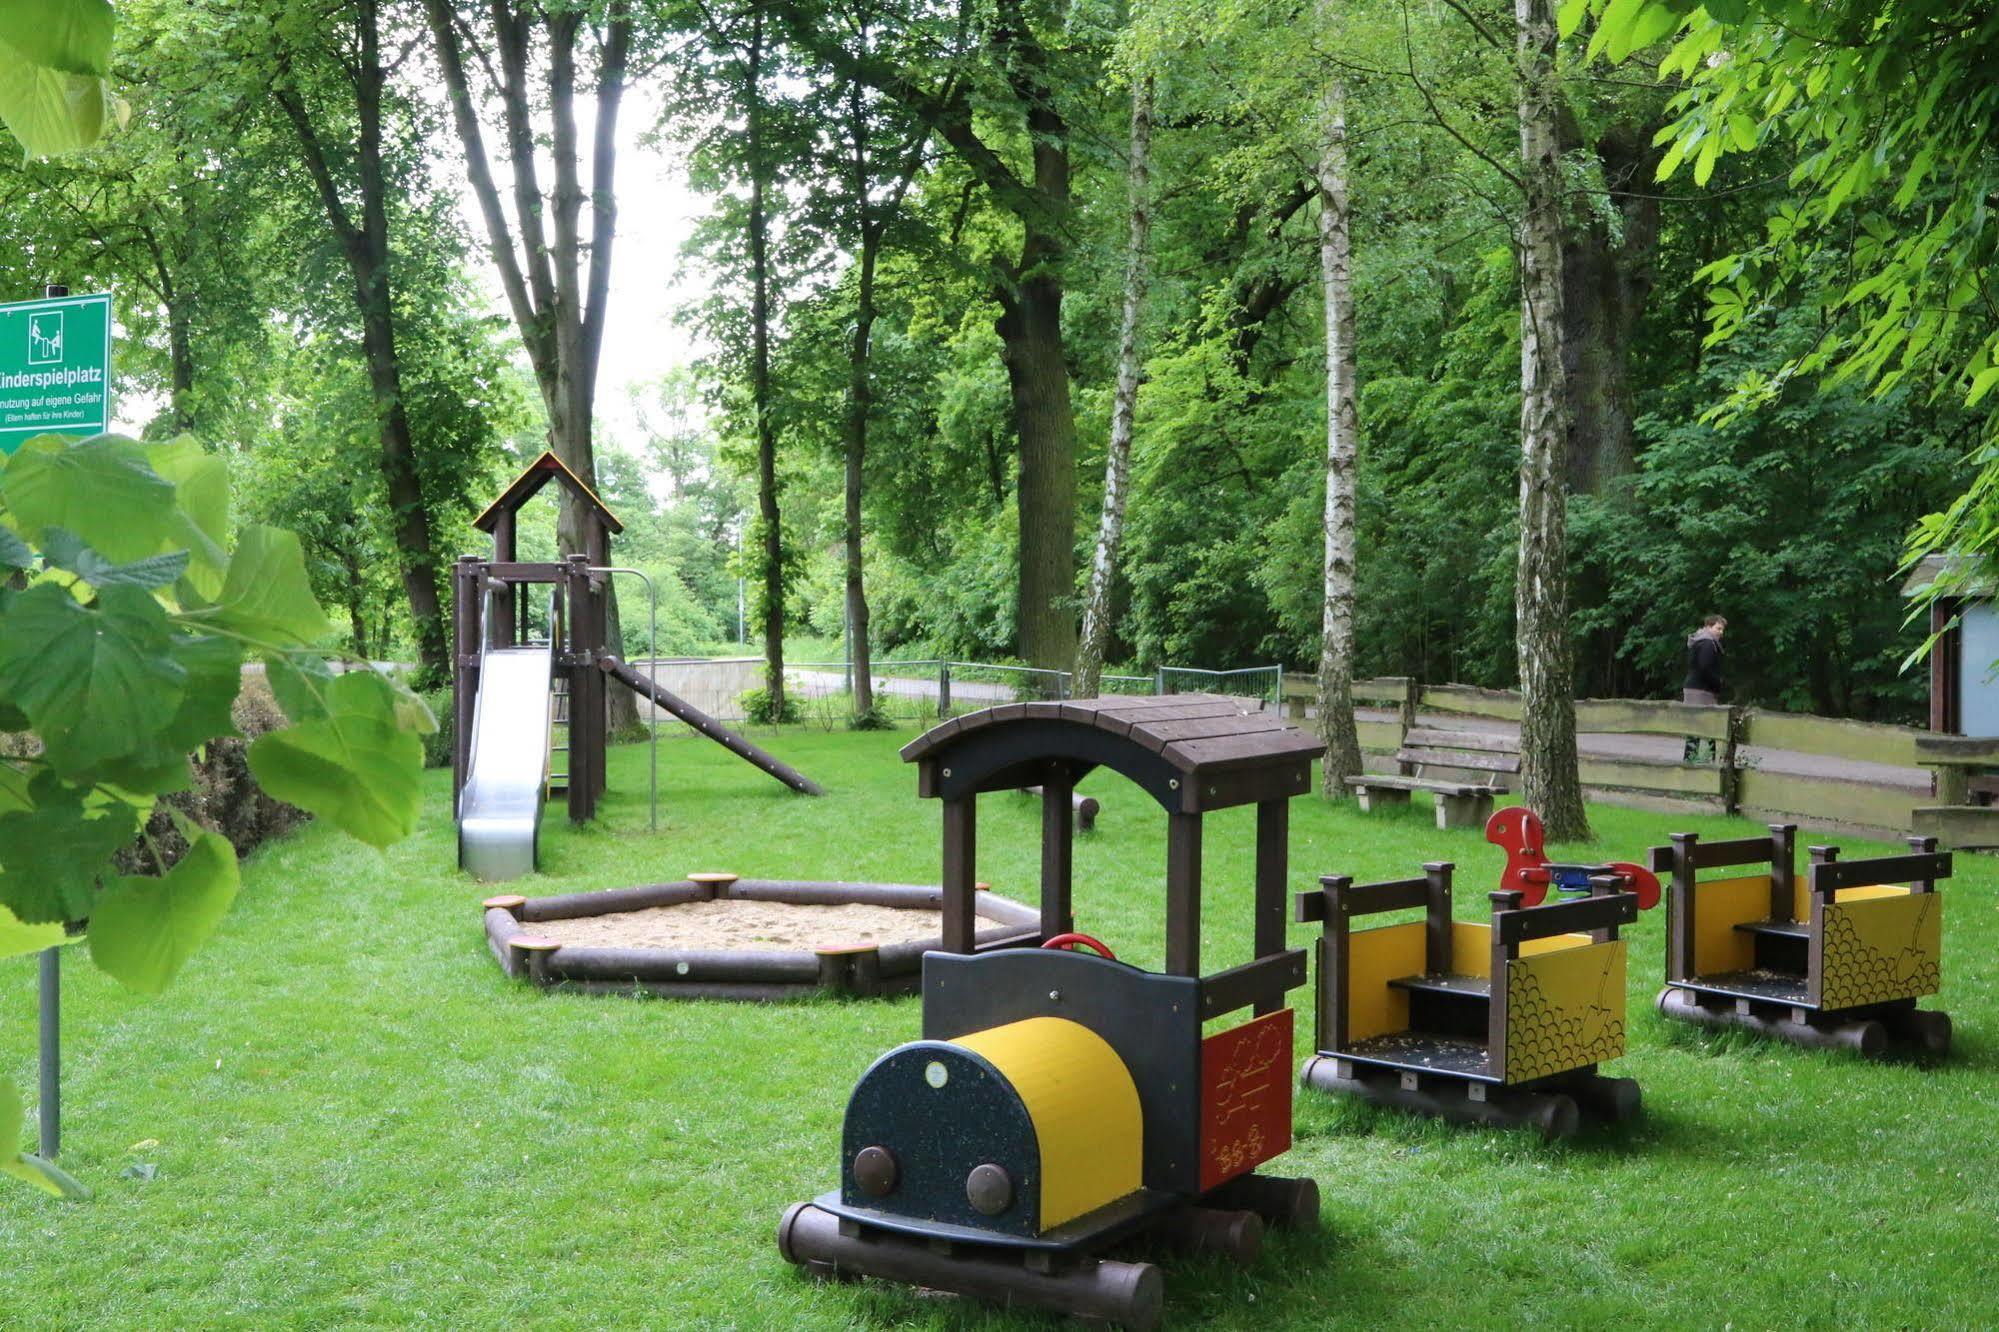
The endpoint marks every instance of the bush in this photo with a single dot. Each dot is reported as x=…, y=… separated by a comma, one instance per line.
x=437, y=745
x=874, y=719
x=758, y=708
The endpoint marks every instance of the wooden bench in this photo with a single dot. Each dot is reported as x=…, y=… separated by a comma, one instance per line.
x=1460, y=804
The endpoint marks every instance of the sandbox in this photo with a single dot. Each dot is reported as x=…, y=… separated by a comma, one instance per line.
x=715, y=936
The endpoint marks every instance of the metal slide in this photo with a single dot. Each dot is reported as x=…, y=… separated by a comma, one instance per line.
x=499, y=810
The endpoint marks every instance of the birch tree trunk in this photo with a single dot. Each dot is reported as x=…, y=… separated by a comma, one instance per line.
x=1124, y=407
x=1549, y=780
x=1335, y=691
x=768, y=516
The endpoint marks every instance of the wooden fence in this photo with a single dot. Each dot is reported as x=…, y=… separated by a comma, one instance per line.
x=1774, y=766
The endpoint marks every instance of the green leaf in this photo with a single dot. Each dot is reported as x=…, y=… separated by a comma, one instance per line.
x=102, y=489
x=47, y=1176
x=355, y=766
x=266, y=594
x=1630, y=25
x=48, y=110
x=69, y=35
x=143, y=930
x=214, y=669
x=17, y=938
x=63, y=549
x=201, y=492
x=1727, y=11
x=14, y=552
x=1981, y=385
x=51, y=856
x=1569, y=17
x=98, y=682
x=299, y=681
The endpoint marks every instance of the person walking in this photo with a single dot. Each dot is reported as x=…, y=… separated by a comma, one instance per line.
x=1703, y=682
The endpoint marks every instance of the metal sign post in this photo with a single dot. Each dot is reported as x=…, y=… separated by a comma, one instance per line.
x=51, y=1053
x=55, y=367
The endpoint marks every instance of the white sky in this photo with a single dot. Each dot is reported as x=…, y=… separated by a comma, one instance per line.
x=657, y=213
x=650, y=281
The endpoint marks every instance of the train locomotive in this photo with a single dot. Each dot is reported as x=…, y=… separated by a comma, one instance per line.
x=1062, y=1102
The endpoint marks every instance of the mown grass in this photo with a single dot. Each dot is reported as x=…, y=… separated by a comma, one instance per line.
x=356, y=1121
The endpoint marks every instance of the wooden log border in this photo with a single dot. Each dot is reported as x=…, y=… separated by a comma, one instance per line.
x=744, y=974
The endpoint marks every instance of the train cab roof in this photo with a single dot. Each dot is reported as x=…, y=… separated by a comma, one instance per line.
x=1190, y=752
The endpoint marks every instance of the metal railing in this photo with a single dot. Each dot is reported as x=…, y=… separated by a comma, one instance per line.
x=923, y=689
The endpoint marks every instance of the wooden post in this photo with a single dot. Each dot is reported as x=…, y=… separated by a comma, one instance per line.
x=1731, y=775
x=1437, y=918
x=504, y=626
x=586, y=709
x=1922, y=846
x=943, y=690
x=1273, y=837
x=1502, y=954
x=464, y=670
x=1183, y=894
x=1783, y=871
x=1680, y=909
x=1603, y=885
x=961, y=846
x=1330, y=1020
x=1818, y=899
x=1058, y=850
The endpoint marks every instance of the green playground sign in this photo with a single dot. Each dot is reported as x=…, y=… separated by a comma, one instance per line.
x=55, y=368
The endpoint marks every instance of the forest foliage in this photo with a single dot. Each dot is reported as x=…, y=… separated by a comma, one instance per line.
x=1708, y=245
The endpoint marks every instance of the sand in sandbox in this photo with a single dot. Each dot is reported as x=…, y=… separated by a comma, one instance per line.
x=735, y=924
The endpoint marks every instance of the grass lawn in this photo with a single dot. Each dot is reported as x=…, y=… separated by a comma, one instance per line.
x=356, y=1121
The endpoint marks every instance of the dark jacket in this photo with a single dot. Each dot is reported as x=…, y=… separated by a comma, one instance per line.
x=1703, y=662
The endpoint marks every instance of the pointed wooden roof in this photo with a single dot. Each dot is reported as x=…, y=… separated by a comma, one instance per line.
x=1192, y=752
x=528, y=484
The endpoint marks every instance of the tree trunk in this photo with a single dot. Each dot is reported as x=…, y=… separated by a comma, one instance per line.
x=357, y=602
x=366, y=246
x=860, y=396
x=1030, y=329
x=557, y=287
x=1605, y=283
x=769, y=517
x=180, y=352
x=1549, y=780
x=1335, y=684
x=1117, y=458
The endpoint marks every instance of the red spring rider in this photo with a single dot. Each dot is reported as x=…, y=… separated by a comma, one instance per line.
x=1530, y=873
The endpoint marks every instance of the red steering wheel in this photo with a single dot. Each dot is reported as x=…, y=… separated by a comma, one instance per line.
x=1071, y=939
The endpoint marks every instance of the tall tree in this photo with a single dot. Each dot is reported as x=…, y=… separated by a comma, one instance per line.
x=1549, y=777
x=329, y=71
x=755, y=60
x=1124, y=406
x=534, y=62
x=1022, y=99
x=1336, y=635
x=883, y=153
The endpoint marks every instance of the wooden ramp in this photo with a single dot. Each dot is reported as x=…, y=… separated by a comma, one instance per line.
x=711, y=728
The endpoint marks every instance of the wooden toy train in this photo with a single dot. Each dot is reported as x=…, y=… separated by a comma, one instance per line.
x=1060, y=1103
x=1500, y=1023
x=1837, y=959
